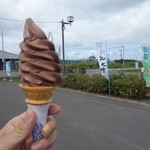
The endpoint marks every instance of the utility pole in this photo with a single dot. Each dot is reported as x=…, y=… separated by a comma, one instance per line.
x=123, y=55
x=63, y=47
x=3, y=58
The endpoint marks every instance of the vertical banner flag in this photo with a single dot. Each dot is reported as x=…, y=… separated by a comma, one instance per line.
x=8, y=68
x=102, y=59
x=146, y=64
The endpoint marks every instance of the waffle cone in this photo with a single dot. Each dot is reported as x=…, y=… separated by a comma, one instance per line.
x=38, y=95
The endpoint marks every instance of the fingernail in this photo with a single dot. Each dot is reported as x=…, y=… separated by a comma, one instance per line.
x=37, y=146
x=28, y=115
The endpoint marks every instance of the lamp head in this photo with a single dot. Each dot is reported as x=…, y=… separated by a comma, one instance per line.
x=70, y=19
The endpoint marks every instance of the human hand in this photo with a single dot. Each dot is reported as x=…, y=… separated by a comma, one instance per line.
x=16, y=134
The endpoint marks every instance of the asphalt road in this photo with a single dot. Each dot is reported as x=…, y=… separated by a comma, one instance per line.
x=88, y=122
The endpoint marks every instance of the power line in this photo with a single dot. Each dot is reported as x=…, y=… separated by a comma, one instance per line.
x=48, y=22
x=15, y=20
x=6, y=19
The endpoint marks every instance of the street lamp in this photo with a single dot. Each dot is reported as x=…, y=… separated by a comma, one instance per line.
x=3, y=58
x=70, y=19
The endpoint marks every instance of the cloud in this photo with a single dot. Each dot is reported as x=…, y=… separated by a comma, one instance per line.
x=117, y=22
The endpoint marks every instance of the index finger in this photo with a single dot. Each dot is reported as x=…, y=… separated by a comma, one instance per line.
x=54, y=109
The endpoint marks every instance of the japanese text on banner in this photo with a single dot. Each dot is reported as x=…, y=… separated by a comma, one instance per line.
x=102, y=59
x=146, y=64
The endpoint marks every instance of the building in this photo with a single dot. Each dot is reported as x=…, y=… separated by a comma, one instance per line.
x=13, y=58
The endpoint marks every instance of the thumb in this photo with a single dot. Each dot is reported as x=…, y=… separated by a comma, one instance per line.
x=24, y=125
x=17, y=130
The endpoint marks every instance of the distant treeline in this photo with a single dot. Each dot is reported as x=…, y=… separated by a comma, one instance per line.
x=92, y=62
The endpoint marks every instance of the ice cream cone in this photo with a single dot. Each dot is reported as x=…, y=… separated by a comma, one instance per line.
x=38, y=95
x=38, y=99
x=40, y=73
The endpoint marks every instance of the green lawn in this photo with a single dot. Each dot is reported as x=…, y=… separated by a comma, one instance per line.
x=9, y=79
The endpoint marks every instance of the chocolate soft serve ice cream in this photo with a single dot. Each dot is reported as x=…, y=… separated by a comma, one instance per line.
x=39, y=61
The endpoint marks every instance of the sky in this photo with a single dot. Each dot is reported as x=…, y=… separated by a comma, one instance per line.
x=117, y=22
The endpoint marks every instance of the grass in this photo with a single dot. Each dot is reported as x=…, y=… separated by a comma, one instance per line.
x=14, y=70
x=9, y=79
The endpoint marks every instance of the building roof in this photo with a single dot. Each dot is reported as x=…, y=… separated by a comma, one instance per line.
x=8, y=55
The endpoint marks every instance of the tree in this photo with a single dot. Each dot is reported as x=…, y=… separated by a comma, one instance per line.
x=92, y=59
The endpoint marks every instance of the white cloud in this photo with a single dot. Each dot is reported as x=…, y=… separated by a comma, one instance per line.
x=118, y=22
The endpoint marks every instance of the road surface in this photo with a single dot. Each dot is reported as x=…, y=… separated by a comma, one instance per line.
x=88, y=121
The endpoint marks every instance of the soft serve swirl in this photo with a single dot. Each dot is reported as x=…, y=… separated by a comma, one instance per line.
x=38, y=59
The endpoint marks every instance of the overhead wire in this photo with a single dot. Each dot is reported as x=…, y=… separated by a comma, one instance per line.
x=8, y=19
x=16, y=20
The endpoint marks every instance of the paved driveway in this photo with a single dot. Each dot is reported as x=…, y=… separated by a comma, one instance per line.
x=88, y=122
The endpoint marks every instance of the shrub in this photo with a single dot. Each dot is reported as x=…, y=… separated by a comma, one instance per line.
x=82, y=81
x=129, y=86
x=97, y=84
x=75, y=81
x=69, y=80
